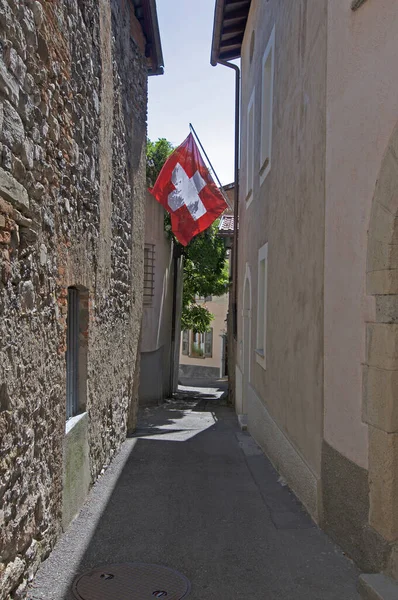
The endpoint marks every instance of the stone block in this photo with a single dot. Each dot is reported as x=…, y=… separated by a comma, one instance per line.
x=13, y=132
x=392, y=568
x=8, y=84
x=384, y=224
x=11, y=573
x=387, y=309
x=13, y=191
x=77, y=477
x=386, y=193
x=377, y=587
x=380, y=388
x=382, y=345
x=383, y=483
x=38, y=13
x=382, y=282
x=381, y=256
x=16, y=65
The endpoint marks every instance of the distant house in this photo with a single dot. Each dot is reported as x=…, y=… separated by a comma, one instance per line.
x=203, y=355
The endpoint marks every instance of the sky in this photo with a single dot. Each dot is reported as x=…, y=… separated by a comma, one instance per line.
x=191, y=90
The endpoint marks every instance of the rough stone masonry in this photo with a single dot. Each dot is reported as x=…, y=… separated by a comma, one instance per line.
x=73, y=96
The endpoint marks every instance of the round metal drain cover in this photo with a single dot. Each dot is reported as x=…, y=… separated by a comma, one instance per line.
x=131, y=581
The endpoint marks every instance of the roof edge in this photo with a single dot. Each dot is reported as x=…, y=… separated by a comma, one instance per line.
x=217, y=26
x=152, y=32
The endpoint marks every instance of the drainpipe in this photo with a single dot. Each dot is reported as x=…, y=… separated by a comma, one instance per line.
x=236, y=196
x=176, y=318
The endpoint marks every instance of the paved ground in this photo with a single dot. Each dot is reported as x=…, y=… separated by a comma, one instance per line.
x=194, y=493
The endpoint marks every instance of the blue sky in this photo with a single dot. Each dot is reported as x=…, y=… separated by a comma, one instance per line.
x=191, y=90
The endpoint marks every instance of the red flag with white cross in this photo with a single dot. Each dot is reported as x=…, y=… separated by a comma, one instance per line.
x=187, y=191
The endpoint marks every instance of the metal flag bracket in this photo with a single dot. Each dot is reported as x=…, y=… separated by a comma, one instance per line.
x=221, y=188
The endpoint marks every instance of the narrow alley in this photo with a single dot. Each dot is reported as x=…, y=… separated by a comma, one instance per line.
x=192, y=492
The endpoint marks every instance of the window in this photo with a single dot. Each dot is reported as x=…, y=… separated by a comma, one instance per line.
x=197, y=350
x=261, y=343
x=266, y=107
x=76, y=351
x=209, y=343
x=250, y=149
x=202, y=344
x=185, y=342
x=149, y=273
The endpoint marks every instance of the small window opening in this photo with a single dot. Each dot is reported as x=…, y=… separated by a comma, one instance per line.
x=76, y=351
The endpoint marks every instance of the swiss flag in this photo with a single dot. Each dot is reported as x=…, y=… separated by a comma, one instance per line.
x=187, y=191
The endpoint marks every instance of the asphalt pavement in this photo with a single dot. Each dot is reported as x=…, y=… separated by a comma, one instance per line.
x=191, y=491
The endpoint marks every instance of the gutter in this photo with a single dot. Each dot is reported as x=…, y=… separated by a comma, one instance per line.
x=156, y=45
x=214, y=60
x=218, y=21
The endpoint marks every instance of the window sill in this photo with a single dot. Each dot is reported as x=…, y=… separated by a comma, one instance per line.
x=73, y=421
x=249, y=198
x=265, y=169
x=355, y=4
x=264, y=166
x=260, y=358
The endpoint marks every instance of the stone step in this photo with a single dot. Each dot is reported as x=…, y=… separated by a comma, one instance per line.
x=242, y=422
x=377, y=587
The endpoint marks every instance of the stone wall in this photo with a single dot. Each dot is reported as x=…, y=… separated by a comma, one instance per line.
x=73, y=89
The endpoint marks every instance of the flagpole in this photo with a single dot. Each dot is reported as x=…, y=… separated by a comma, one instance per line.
x=191, y=127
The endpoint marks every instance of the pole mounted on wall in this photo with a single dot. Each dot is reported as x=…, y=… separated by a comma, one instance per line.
x=191, y=127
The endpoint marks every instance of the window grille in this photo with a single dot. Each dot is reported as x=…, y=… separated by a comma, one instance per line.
x=149, y=273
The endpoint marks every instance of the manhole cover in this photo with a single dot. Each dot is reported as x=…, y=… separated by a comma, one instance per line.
x=131, y=581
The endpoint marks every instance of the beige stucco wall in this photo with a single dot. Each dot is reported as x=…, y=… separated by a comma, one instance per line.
x=288, y=213
x=362, y=110
x=219, y=308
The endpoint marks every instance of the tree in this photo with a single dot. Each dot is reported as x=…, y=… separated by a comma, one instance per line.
x=205, y=265
x=156, y=155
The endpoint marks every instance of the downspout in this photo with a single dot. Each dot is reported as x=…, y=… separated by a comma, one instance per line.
x=236, y=198
x=176, y=319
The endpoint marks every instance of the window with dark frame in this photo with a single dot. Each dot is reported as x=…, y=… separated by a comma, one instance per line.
x=72, y=354
x=77, y=332
x=185, y=342
x=149, y=273
x=209, y=343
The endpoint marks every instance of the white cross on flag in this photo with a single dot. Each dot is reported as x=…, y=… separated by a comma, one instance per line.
x=187, y=191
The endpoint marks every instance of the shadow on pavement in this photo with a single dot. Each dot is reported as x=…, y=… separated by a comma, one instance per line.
x=193, y=493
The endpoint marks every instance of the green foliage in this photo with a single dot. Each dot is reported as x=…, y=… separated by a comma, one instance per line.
x=156, y=155
x=197, y=351
x=205, y=266
x=205, y=274
x=196, y=317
